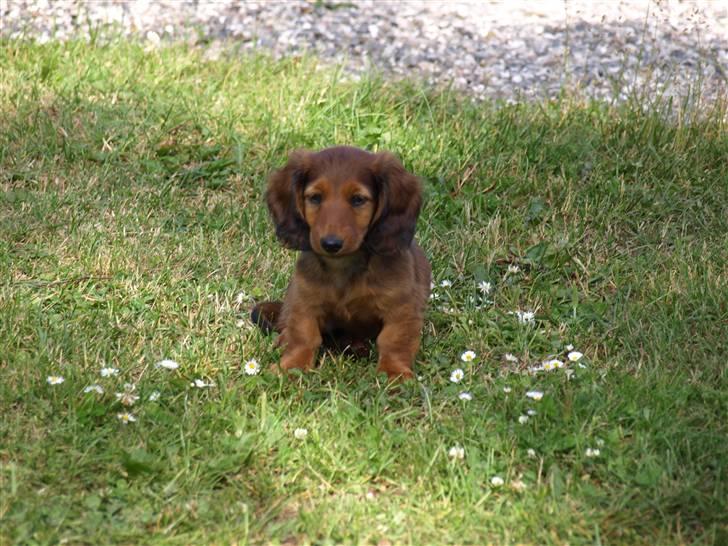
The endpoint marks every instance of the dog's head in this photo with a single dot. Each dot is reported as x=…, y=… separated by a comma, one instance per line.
x=341, y=199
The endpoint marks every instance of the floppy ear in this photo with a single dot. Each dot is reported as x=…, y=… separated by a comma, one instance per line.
x=285, y=197
x=400, y=199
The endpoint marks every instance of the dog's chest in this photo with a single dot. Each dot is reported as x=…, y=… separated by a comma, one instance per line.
x=353, y=301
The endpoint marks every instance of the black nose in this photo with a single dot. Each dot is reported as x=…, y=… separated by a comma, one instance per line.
x=331, y=244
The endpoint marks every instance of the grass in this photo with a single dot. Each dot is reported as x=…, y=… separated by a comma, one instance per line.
x=131, y=219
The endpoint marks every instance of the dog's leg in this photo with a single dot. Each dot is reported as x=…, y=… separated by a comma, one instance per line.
x=397, y=344
x=302, y=339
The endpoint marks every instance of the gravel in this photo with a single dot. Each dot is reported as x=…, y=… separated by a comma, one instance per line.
x=512, y=50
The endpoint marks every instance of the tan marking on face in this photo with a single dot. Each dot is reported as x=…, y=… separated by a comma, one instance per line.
x=341, y=210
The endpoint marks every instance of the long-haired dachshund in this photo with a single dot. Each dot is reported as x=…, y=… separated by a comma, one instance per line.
x=360, y=275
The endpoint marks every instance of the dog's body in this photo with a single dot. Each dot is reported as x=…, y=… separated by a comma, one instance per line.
x=360, y=275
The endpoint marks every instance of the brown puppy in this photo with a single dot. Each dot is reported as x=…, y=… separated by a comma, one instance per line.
x=360, y=275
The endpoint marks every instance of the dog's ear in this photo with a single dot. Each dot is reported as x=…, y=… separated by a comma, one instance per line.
x=285, y=200
x=399, y=203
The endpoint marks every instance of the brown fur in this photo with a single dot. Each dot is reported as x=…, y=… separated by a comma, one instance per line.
x=376, y=286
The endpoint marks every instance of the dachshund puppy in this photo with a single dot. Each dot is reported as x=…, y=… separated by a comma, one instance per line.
x=360, y=275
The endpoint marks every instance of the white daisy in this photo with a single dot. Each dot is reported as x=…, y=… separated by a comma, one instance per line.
x=552, y=364
x=592, y=452
x=574, y=356
x=466, y=396
x=55, y=379
x=496, y=481
x=485, y=287
x=98, y=389
x=510, y=357
x=513, y=269
x=126, y=398
x=523, y=419
x=535, y=395
x=252, y=367
x=507, y=390
x=300, y=433
x=167, y=364
x=456, y=452
x=569, y=347
x=526, y=317
x=446, y=283
x=531, y=452
x=154, y=396
x=126, y=417
x=108, y=372
x=200, y=384
x=531, y=412
x=457, y=375
x=468, y=356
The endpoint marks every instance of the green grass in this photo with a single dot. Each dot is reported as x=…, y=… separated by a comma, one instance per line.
x=131, y=217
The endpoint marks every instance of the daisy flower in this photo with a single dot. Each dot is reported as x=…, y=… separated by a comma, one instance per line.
x=574, y=356
x=300, y=433
x=485, y=287
x=456, y=452
x=154, y=396
x=200, y=384
x=507, y=390
x=126, y=417
x=167, y=364
x=535, y=395
x=466, y=396
x=531, y=452
x=252, y=367
x=569, y=347
x=531, y=412
x=446, y=284
x=592, y=452
x=496, y=481
x=552, y=364
x=513, y=269
x=468, y=356
x=108, y=372
x=526, y=317
x=98, y=389
x=55, y=379
x=457, y=375
x=523, y=419
x=126, y=398
x=510, y=357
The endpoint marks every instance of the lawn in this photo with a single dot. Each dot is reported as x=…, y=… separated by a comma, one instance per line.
x=132, y=230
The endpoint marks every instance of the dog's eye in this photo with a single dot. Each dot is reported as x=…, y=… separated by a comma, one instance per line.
x=314, y=199
x=357, y=200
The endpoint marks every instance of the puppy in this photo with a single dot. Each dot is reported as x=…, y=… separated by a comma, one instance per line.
x=360, y=275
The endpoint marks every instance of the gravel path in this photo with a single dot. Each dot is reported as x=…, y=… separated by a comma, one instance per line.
x=491, y=49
